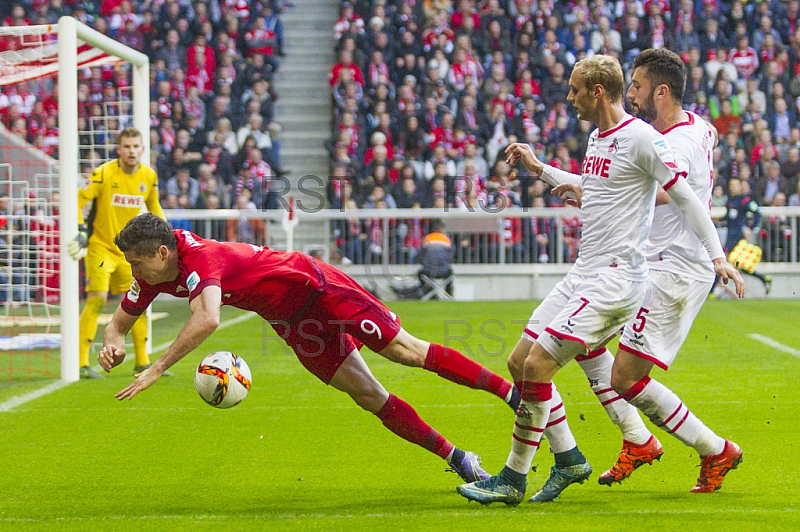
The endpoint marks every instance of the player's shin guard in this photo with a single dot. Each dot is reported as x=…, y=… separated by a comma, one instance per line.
x=87, y=326
x=401, y=418
x=666, y=410
x=453, y=366
x=597, y=367
x=557, y=430
x=532, y=415
x=139, y=335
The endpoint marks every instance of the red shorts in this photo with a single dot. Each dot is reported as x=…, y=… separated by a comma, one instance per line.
x=339, y=320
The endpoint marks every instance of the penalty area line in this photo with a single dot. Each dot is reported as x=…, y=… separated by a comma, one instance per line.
x=57, y=385
x=776, y=345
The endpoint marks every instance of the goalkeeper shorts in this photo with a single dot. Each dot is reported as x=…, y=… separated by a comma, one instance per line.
x=106, y=270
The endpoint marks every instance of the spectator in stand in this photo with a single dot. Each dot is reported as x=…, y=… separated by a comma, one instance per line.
x=346, y=62
x=224, y=136
x=766, y=188
x=348, y=22
x=182, y=183
x=781, y=120
x=744, y=58
x=172, y=53
x=727, y=122
x=131, y=35
x=790, y=161
x=718, y=62
x=171, y=202
x=555, y=88
x=713, y=39
x=261, y=40
x=408, y=196
x=260, y=172
x=794, y=199
x=253, y=129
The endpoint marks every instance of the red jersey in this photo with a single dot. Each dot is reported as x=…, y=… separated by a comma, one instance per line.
x=273, y=284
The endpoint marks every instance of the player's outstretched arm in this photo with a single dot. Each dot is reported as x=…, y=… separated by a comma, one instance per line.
x=700, y=222
x=523, y=153
x=113, y=352
x=202, y=323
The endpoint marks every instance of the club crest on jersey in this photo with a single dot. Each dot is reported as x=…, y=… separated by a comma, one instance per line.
x=192, y=281
x=142, y=187
x=614, y=146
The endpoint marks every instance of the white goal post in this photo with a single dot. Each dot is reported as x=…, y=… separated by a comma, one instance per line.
x=48, y=55
x=69, y=32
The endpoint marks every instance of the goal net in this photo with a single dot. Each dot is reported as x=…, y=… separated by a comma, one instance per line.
x=65, y=92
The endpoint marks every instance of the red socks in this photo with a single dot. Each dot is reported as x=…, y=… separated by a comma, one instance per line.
x=453, y=366
x=535, y=392
x=401, y=418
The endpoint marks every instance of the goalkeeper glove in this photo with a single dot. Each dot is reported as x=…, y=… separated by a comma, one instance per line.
x=77, y=247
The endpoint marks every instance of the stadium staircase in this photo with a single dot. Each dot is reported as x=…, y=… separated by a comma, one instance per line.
x=304, y=108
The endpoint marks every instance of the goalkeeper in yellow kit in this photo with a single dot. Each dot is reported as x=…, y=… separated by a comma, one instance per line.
x=118, y=190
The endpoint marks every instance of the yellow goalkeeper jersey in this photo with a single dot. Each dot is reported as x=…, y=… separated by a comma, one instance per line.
x=117, y=197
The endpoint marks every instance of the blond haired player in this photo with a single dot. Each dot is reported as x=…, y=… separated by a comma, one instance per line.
x=625, y=161
x=681, y=274
x=118, y=190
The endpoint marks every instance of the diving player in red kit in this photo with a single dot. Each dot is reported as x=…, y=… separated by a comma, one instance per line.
x=323, y=315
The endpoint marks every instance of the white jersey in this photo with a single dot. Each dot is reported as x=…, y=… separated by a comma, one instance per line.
x=672, y=245
x=618, y=178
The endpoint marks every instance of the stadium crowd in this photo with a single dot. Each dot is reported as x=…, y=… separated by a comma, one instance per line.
x=428, y=92
x=213, y=136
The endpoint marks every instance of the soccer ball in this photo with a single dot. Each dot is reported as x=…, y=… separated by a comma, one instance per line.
x=222, y=379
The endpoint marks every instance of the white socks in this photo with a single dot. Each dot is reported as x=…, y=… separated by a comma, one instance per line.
x=597, y=368
x=666, y=410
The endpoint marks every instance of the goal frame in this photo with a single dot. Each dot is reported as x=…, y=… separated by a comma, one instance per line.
x=69, y=31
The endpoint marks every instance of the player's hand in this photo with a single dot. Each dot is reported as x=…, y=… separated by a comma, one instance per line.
x=725, y=272
x=569, y=192
x=521, y=152
x=142, y=381
x=110, y=357
x=77, y=246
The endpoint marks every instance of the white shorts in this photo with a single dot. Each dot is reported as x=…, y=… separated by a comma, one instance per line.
x=587, y=309
x=660, y=327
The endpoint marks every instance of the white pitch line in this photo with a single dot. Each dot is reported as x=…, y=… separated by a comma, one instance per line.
x=777, y=345
x=394, y=515
x=57, y=385
x=22, y=399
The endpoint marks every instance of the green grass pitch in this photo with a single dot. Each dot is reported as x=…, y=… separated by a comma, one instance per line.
x=299, y=455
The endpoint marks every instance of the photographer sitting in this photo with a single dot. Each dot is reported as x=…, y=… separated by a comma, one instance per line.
x=436, y=255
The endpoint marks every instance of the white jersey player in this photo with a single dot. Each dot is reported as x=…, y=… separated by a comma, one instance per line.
x=681, y=275
x=619, y=175
x=625, y=160
x=681, y=272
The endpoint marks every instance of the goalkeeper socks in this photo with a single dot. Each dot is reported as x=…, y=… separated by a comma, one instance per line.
x=597, y=367
x=87, y=326
x=453, y=366
x=139, y=334
x=401, y=418
x=666, y=410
